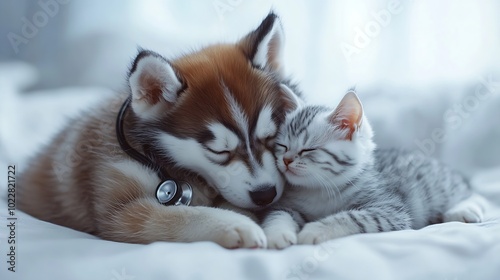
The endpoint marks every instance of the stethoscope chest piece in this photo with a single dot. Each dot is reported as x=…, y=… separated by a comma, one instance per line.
x=167, y=191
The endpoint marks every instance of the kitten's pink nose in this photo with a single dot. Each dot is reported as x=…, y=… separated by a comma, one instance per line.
x=287, y=161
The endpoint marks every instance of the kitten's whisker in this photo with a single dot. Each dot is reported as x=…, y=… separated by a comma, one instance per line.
x=324, y=186
x=338, y=190
x=324, y=190
x=330, y=185
x=352, y=184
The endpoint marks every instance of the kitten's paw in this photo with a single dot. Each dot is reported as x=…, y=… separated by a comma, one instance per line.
x=318, y=232
x=468, y=211
x=314, y=233
x=464, y=215
x=280, y=239
x=243, y=235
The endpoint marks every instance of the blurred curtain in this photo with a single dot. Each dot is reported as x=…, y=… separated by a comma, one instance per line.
x=90, y=42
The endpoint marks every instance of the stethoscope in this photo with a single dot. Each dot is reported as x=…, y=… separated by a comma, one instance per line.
x=169, y=192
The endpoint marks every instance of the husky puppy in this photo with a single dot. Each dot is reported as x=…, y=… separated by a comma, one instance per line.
x=209, y=118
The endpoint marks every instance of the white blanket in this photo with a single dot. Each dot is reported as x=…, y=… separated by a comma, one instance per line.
x=46, y=251
x=444, y=251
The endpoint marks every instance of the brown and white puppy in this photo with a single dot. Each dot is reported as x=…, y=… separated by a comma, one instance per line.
x=209, y=118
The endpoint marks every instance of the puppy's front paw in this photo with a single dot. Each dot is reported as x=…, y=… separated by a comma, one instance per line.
x=280, y=238
x=243, y=235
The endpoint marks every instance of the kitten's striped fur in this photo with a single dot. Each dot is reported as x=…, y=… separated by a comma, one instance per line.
x=339, y=185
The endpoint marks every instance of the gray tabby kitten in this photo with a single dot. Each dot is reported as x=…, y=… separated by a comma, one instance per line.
x=339, y=185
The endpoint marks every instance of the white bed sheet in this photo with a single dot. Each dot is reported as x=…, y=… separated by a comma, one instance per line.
x=46, y=251
x=444, y=251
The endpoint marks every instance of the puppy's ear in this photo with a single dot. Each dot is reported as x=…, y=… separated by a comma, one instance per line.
x=153, y=82
x=348, y=115
x=264, y=45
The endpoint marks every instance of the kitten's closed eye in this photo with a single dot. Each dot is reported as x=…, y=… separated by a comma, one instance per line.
x=285, y=148
x=281, y=148
x=306, y=150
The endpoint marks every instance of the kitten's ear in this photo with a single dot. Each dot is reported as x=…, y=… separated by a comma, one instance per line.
x=348, y=115
x=152, y=81
x=264, y=45
x=292, y=100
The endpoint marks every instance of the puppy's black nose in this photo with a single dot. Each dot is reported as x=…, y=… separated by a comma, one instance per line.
x=263, y=195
